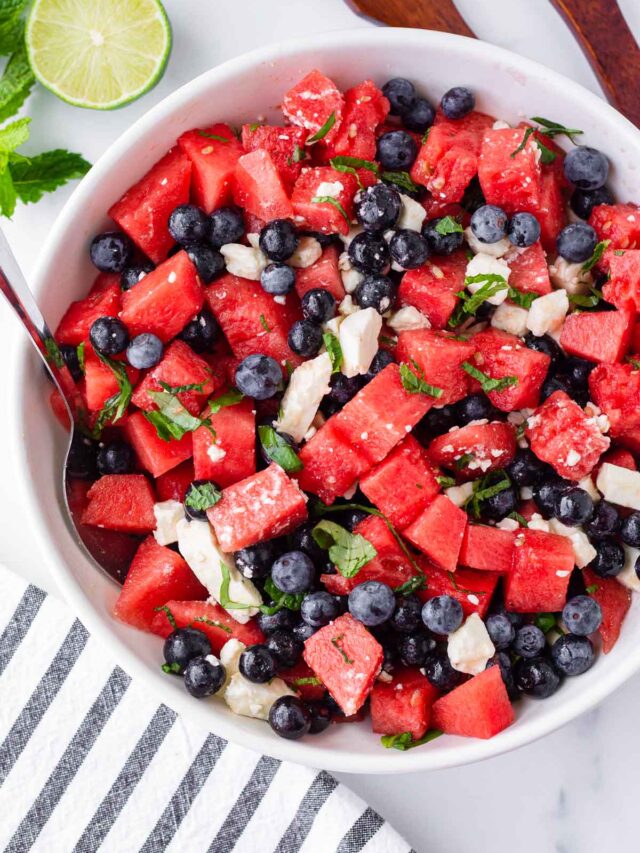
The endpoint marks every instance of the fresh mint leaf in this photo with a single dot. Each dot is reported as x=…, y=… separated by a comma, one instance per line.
x=254, y=126
x=322, y=132
x=176, y=419
x=311, y=680
x=413, y=381
x=349, y=552
x=16, y=82
x=524, y=300
x=14, y=134
x=486, y=382
x=337, y=641
x=225, y=601
x=412, y=585
x=264, y=324
x=553, y=128
x=329, y=199
x=463, y=461
x=287, y=600
x=446, y=482
x=525, y=139
x=598, y=252
x=8, y=195
x=52, y=351
x=172, y=668
x=350, y=164
x=545, y=621
x=449, y=225
x=229, y=398
x=522, y=521
x=213, y=136
x=179, y=389
x=547, y=156
x=116, y=406
x=592, y=588
x=483, y=489
x=202, y=620
x=278, y=450
x=170, y=617
x=491, y=284
x=402, y=180
x=165, y=428
x=405, y=740
x=45, y=172
x=80, y=353
x=202, y=496
x=298, y=154
x=334, y=350
x=586, y=300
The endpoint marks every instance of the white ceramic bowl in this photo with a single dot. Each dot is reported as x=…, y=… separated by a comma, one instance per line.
x=506, y=86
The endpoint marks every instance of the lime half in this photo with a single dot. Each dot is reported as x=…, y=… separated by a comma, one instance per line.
x=98, y=54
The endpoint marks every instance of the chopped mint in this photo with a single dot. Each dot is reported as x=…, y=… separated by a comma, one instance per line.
x=349, y=552
x=278, y=449
x=405, y=740
x=413, y=381
x=449, y=225
x=213, y=136
x=598, y=252
x=322, y=132
x=170, y=617
x=229, y=398
x=486, y=382
x=334, y=350
x=329, y=199
x=335, y=641
x=402, y=180
x=202, y=496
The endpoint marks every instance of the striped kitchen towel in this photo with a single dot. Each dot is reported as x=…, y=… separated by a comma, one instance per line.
x=88, y=761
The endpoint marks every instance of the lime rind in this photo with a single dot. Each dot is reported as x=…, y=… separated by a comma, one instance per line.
x=63, y=37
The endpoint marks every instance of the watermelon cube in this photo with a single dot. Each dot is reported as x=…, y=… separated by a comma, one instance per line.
x=312, y=102
x=59, y=409
x=331, y=464
x=403, y=704
x=258, y=187
x=165, y=300
x=487, y=548
x=488, y=447
x=100, y=382
x=619, y=223
x=208, y=617
x=508, y=179
x=157, y=575
x=623, y=287
x=143, y=211
x=301, y=678
x=615, y=389
x=539, y=577
x=478, y=708
x=440, y=358
x=529, y=270
x=265, y=505
x=284, y=144
x=432, y=288
x=598, y=335
x=213, y=162
x=474, y=590
x=620, y=457
x=614, y=600
x=403, y=484
x=121, y=502
x=323, y=274
x=154, y=454
x=438, y=532
x=347, y=659
x=500, y=354
x=328, y=217
x=74, y=326
x=365, y=107
x=381, y=414
x=174, y=484
x=228, y=455
x=562, y=435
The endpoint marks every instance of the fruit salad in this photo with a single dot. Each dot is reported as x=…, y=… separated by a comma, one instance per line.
x=362, y=411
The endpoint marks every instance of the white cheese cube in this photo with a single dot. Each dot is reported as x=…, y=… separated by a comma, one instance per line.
x=496, y=250
x=307, y=253
x=570, y=277
x=537, y=522
x=329, y=188
x=547, y=313
x=619, y=485
x=470, y=647
x=510, y=318
x=348, y=306
x=243, y=261
x=412, y=214
x=351, y=278
x=583, y=550
x=307, y=386
x=508, y=524
x=408, y=318
x=459, y=494
x=353, y=232
x=254, y=700
x=484, y=264
x=168, y=514
x=230, y=656
x=628, y=576
x=590, y=488
x=359, y=340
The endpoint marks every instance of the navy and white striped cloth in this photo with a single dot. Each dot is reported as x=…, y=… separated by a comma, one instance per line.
x=89, y=762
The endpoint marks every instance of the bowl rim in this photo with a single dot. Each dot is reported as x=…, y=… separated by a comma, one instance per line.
x=303, y=752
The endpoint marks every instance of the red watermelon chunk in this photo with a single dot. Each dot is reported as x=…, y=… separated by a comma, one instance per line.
x=284, y=144
x=552, y=211
x=230, y=456
x=474, y=590
x=59, y=409
x=402, y=704
x=615, y=388
x=154, y=454
x=263, y=506
x=301, y=678
x=208, y=617
x=403, y=484
x=432, y=288
x=143, y=211
x=331, y=464
x=121, y=502
x=490, y=446
x=529, y=270
x=365, y=107
x=620, y=457
x=614, y=600
x=312, y=101
x=324, y=274
x=213, y=161
x=165, y=300
x=598, y=335
x=487, y=548
x=561, y=434
x=539, y=578
x=157, y=575
x=174, y=484
x=439, y=357
x=478, y=708
x=74, y=326
x=623, y=286
x=438, y=532
x=274, y=344
x=258, y=187
x=179, y=366
x=347, y=659
x=618, y=223
x=100, y=382
x=326, y=217
x=500, y=354
x=381, y=414
x=511, y=181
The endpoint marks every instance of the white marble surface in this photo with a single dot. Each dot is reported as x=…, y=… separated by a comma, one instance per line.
x=577, y=790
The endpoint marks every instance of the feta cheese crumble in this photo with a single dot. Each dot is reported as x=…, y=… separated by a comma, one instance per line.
x=619, y=485
x=243, y=261
x=408, y=318
x=168, y=514
x=496, y=250
x=470, y=647
x=510, y=318
x=547, y=313
x=307, y=252
x=412, y=214
x=483, y=264
x=359, y=340
x=307, y=386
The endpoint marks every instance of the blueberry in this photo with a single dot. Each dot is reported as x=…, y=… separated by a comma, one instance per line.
x=285, y=647
x=441, y=244
x=188, y=224
x=500, y=630
x=350, y=518
x=586, y=168
x=458, y=102
x=526, y=469
x=289, y=717
x=582, y=615
x=278, y=240
x=108, y=335
x=70, y=357
x=324, y=239
x=442, y=614
x=489, y=223
x=381, y=359
x=258, y=664
x=536, y=677
x=202, y=332
x=81, y=459
x=475, y=407
x=372, y=602
x=258, y=376
x=303, y=630
x=572, y=655
x=283, y=619
x=204, y=676
x=376, y=291
x=529, y=641
x=552, y=384
x=111, y=252
x=117, y=457
x=440, y=673
x=502, y=660
x=255, y=561
x=609, y=560
x=523, y=230
x=576, y=242
x=630, y=530
x=400, y=93
x=321, y=717
x=408, y=249
x=583, y=201
x=368, y=253
x=277, y=279
x=319, y=608
x=318, y=305
x=546, y=494
x=396, y=150
x=606, y=521
x=578, y=371
x=185, y=644
x=499, y=506
x=378, y=207
x=145, y=351
x=342, y=389
x=406, y=617
x=437, y=421
x=208, y=261
x=302, y=540
x=226, y=225
x=419, y=115
x=574, y=507
x=130, y=276
x=544, y=344
x=415, y=647
x=293, y=572
x=305, y=338
x=192, y=512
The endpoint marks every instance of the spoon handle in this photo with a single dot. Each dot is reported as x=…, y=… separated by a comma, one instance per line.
x=439, y=15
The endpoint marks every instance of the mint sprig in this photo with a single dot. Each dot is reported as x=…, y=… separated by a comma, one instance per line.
x=349, y=552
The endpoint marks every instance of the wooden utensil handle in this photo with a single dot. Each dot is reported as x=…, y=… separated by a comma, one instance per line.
x=610, y=47
x=422, y=14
